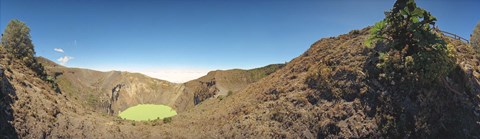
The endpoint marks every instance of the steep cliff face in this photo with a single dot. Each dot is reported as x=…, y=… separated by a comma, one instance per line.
x=114, y=97
x=114, y=91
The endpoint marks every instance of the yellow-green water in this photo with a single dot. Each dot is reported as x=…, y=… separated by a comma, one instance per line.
x=145, y=112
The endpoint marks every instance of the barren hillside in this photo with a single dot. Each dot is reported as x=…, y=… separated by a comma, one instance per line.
x=224, y=83
x=32, y=109
x=329, y=91
x=94, y=89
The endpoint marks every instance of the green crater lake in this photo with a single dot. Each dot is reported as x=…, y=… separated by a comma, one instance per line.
x=145, y=112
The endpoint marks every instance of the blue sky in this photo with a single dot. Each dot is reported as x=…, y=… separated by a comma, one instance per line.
x=177, y=38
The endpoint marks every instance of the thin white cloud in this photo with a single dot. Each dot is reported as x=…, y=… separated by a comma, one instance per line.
x=60, y=50
x=63, y=60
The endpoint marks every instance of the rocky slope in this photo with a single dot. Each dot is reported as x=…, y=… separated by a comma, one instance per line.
x=30, y=108
x=97, y=89
x=330, y=91
x=114, y=91
x=224, y=83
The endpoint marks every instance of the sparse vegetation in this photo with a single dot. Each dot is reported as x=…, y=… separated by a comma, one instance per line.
x=220, y=97
x=409, y=51
x=167, y=120
x=319, y=78
x=155, y=122
x=16, y=40
x=475, y=38
x=262, y=72
x=91, y=100
x=354, y=32
x=231, y=80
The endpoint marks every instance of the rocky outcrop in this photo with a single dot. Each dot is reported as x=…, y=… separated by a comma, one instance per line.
x=115, y=91
x=114, y=97
x=202, y=88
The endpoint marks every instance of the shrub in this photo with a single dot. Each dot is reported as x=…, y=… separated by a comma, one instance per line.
x=221, y=97
x=354, y=32
x=16, y=41
x=53, y=83
x=167, y=120
x=411, y=52
x=475, y=38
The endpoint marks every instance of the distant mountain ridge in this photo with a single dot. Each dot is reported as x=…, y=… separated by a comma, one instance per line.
x=227, y=82
x=94, y=88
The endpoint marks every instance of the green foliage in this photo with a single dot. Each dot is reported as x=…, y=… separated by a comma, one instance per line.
x=262, y=72
x=52, y=81
x=411, y=51
x=167, y=120
x=354, y=32
x=376, y=33
x=16, y=40
x=475, y=38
